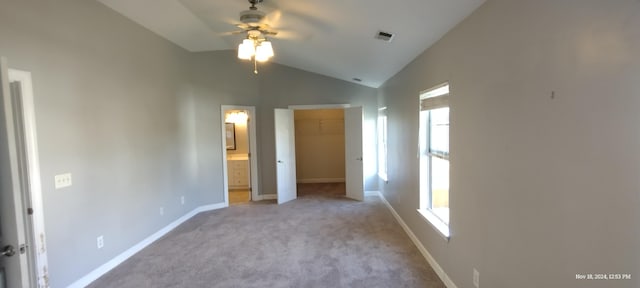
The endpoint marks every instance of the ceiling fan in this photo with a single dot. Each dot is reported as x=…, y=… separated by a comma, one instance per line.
x=255, y=46
x=252, y=20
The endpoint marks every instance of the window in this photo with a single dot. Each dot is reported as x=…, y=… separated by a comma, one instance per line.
x=434, y=157
x=382, y=143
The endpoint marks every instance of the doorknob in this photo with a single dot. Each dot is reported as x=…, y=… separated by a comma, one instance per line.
x=8, y=251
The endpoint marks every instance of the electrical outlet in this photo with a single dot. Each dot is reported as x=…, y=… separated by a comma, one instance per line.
x=161, y=211
x=100, y=241
x=182, y=200
x=476, y=278
x=62, y=180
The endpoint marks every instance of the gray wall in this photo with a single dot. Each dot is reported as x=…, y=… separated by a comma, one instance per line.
x=136, y=120
x=542, y=188
x=110, y=109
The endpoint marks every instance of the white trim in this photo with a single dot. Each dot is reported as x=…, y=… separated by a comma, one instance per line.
x=436, y=222
x=269, y=197
x=106, y=267
x=319, y=106
x=13, y=172
x=432, y=261
x=37, y=233
x=321, y=180
x=429, y=92
x=253, y=150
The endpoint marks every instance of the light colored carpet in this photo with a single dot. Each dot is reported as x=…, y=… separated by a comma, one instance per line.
x=318, y=240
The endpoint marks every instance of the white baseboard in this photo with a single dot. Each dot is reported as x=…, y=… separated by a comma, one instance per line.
x=269, y=196
x=436, y=267
x=106, y=267
x=321, y=180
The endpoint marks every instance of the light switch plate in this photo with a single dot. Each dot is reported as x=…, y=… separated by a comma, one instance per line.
x=63, y=180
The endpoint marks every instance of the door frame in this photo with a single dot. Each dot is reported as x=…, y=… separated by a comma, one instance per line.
x=30, y=186
x=253, y=151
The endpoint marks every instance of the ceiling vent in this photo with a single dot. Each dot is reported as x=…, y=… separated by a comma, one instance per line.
x=384, y=36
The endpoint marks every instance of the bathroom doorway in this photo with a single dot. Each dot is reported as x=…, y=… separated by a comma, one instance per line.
x=239, y=154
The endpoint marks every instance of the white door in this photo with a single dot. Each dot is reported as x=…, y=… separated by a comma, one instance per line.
x=13, y=263
x=285, y=155
x=353, y=153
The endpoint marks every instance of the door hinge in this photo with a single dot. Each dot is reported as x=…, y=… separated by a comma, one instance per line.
x=30, y=211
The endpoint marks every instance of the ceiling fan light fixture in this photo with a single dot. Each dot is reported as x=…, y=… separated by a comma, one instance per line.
x=262, y=55
x=255, y=47
x=266, y=46
x=246, y=49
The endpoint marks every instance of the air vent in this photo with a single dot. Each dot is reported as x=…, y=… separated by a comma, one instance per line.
x=384, y=36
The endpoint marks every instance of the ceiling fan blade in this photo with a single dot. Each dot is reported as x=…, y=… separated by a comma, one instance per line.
x=243, y=26
x=289, y=35
x=236, y=32
x=273, y=17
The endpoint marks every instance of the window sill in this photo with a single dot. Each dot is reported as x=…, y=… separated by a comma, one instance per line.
x=383, y=177
x=440, y=226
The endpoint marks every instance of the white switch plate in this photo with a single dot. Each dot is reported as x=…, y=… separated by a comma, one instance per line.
x=476, y=278
x=182, y=200
x=100, y=242
x=63, y=180
x=161, y=211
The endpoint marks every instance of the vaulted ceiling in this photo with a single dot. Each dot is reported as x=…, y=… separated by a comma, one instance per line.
x=329, y=37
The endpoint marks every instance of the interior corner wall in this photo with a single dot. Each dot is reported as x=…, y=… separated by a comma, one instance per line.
x=544, y=143
x=220, y=79
x=134, y=119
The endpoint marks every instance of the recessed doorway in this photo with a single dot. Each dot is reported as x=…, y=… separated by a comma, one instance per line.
x=320, y=152
x=239, y=154
x=286, y=177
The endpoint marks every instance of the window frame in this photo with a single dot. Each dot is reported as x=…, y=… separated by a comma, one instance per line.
x=431, y=99
x=383, y=138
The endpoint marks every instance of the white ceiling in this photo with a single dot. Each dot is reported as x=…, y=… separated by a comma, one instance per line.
x=330, y=37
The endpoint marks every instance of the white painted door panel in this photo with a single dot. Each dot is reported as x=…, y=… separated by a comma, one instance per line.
x=353, y=153
x=285, y=155
x=13, y=268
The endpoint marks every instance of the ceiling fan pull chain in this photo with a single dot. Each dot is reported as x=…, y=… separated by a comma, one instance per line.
x=255, y=66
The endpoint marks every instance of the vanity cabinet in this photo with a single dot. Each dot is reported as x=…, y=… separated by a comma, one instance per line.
x=238, y=171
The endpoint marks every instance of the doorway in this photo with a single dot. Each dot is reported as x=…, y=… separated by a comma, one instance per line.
x=320, y=152
x=286, y=150
x=239, y=154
